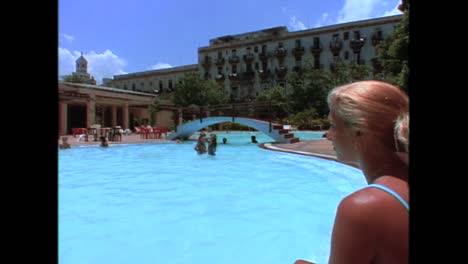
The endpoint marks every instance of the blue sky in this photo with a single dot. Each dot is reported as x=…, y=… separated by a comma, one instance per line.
x=125, y=36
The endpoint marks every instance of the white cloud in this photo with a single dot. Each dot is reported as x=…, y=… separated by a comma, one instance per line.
x=68, y=37
x=394, y=11
x=160, y=65
x=354, y=10
x=103, y=65
x=325, y=20
x=296, y=25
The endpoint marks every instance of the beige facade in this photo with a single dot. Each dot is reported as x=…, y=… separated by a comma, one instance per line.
x=84, y=105
x=246, y=64
x=154, y=81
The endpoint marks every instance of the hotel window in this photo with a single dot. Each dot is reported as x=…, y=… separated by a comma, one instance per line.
x=125, y=87
x=248, y=50
x=160, y=86
x=234, y=68
x=280, y=44
x=346, y=35
x=357, y=35
x=316, y=41
x=220, y=54
x=264, y=47
x=233, y=52
x=133, y=86
x=298, y=43
x=335, y=37
x=255, y=49
x=346, y=55
x=220, y=69
x=170, y=84
x=256, y=65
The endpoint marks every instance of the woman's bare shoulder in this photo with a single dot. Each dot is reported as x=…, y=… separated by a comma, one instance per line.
x=370, y=205
x=359, y=205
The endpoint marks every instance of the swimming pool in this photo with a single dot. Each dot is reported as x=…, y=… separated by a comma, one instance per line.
x=163, y=203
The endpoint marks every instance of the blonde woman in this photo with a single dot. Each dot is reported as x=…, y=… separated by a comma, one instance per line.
x=370, y=129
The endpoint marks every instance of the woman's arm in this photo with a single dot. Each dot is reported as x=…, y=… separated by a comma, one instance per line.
x=354, y=231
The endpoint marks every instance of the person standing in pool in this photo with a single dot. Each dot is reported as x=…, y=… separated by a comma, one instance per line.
x=369, y=127
x=104, y=142
x=200, y=148
x=65, y=144
x=212, y=144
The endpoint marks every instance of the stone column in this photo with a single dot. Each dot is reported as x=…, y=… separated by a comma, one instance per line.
x=63, y=113
x=125, y=116
x=114, y=116
x=150, y=117
x=91, y=111
x=180, y=117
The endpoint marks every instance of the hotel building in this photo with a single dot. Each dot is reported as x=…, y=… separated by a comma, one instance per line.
x=246, y=64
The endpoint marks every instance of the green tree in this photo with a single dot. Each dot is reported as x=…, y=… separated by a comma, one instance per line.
x=277, y=98
x=192, y=89
x=72, y=78
x=310, y=86
x=154, y=108
x=393, y=54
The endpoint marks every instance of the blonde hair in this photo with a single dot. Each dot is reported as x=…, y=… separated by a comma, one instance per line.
x=402, y=133
x=373, y=107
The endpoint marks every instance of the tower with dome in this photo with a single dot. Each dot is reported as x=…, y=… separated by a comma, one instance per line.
x=82, y=71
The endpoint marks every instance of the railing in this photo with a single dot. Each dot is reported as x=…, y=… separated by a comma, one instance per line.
x=266, y=111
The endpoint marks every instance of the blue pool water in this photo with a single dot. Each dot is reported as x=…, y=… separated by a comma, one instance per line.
x=163, y=203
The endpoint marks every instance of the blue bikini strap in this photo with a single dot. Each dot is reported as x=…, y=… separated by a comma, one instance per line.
x=390, y=191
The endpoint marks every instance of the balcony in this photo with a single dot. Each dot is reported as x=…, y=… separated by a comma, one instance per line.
x=264, y=74
x=219, y=77
x=248, y=75
x=206, y=62
x=298, y=51
x=356, y=44
x=280, y=53
x=316, y=49
x=264, y=56
x=219, y=61
x=336, y=46
x=281, y=72
x=233, y=77
x=234, y=59
x=248, y=58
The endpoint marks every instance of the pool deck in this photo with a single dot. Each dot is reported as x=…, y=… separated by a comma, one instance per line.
x=321, y=148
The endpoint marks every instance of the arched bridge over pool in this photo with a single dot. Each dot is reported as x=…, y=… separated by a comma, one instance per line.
x=275, y=131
